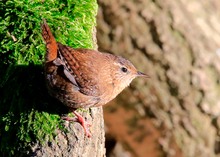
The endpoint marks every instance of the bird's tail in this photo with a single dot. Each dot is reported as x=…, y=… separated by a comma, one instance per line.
x=51, y=43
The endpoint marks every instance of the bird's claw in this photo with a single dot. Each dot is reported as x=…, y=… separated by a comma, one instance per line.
x=80, y=120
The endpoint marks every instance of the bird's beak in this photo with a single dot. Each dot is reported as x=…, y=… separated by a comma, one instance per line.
x=142, y=74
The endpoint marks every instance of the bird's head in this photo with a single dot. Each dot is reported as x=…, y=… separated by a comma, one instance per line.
x=123, y=73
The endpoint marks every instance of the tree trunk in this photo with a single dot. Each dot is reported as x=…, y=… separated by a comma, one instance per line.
x=30, y=123
x=176, y=111
x=74, y=143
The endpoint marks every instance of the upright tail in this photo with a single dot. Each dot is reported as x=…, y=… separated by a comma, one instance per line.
x=51, y=43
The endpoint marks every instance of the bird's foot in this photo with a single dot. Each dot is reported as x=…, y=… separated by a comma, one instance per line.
x=81, y=120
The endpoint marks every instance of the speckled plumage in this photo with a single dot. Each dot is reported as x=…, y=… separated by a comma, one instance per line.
x=82, y=78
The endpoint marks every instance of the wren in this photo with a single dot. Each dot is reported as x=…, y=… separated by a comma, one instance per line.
x=83, y=78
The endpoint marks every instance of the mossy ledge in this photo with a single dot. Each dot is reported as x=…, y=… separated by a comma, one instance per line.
x=28, y=114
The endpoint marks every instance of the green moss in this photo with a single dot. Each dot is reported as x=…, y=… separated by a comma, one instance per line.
x=27, y=113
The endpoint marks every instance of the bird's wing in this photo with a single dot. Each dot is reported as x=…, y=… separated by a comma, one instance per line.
x=78, y=68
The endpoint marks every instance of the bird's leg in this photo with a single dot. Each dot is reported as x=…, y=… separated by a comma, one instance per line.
x=81, y=120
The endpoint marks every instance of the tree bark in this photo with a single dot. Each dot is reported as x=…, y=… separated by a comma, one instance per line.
x=177, y=44
x=74, y=142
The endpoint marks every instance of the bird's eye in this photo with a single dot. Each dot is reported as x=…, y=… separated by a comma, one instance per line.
x=123, y=69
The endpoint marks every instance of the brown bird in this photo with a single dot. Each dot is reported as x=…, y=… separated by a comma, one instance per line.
x=83, y=78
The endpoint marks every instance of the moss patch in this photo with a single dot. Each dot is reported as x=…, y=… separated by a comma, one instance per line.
x=27, y=113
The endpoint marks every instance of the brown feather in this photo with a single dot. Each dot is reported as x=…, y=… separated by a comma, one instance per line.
x=51, y=44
